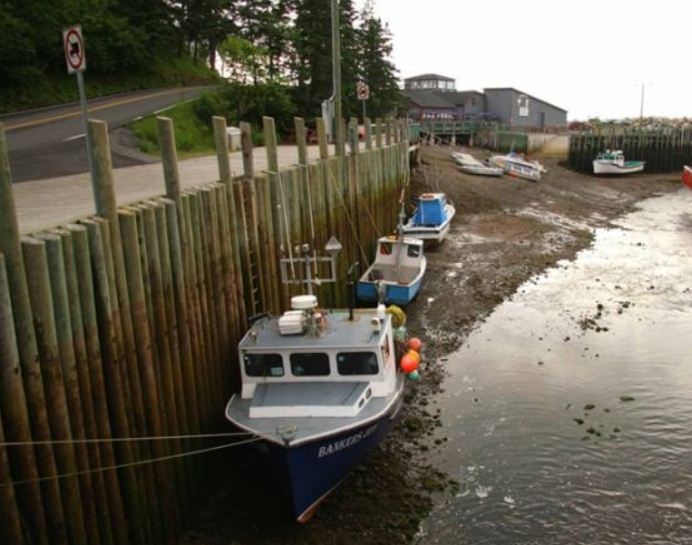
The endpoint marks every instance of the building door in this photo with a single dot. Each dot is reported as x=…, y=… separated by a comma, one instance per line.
x=542, y=120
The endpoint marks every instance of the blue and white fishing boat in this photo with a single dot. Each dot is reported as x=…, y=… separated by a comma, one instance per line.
x=322, y=388
x=396, y=275
x=432, y=218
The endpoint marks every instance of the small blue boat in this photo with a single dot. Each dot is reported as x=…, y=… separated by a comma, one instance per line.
x=396, y=275
x=432, y=218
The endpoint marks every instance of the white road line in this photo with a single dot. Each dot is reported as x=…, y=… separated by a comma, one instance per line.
x=74, y=137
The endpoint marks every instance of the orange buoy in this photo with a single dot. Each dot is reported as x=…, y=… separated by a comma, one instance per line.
x=414, y=343
x=408, y=363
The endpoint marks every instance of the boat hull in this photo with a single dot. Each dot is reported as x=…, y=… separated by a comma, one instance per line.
x=310, y=471
x=687, y=176
x=604, y=167
x=481, y=170
x=433, y=234
x=395, y=294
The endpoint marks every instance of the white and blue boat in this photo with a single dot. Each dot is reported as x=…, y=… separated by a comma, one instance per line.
x=321, y=389
x=396, y=275
x=432, y=218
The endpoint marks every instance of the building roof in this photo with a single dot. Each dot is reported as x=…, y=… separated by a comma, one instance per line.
x=459, y=98
x=523, y=93
x=429, y=76
x=427, y=98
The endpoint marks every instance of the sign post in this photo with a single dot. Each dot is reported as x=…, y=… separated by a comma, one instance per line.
x=75, y=58
x=363, y=92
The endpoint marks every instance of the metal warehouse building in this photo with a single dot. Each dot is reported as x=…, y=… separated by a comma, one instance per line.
x=431, y=96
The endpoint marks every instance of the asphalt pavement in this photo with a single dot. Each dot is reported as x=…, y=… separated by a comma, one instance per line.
x=49, y=142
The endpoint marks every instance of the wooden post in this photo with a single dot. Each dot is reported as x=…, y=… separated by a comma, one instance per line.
x=70, y=378
x=378, y=132
x=13, y=407
x=100, y=305
x=169, y=157
x=102, y=181
x=54, y=522
x=353, y=135
x=56, y=402
x=246, y=147
x=368, y=134
x=322, y=138
x=143, y=340
x=10, y=527
x=88, y=353
x=221, y=142
x=301, y=140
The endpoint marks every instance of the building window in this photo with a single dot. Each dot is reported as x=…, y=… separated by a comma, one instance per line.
x=263, y=365
x=523, y=106
x=357, y=363
x=315, y=364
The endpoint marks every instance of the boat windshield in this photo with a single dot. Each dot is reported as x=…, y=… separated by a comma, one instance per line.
x=357, y=363
x=312, y=364
x=414, y=251
x=263, y=365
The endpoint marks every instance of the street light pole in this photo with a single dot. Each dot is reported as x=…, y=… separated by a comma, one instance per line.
x=641, y=109
x=336, y=77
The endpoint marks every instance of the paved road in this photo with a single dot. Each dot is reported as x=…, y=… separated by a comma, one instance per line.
x=42, y=204
x=49, y=142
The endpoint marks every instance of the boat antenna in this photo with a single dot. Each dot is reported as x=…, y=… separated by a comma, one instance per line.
x=351, y=289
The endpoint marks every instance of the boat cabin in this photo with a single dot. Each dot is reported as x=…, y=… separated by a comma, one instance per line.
x=431, y=209
x=397, y=260
x=314, y=363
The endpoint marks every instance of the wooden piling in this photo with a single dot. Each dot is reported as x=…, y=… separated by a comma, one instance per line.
x=13, y=407
x=102, y=304
x=70, y=379
x=322, y=138
x=53, y=524
x=221, y=144
x=169, y=158
x=368, y=133
x=38, y=280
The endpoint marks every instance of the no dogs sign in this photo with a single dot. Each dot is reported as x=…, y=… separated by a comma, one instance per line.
x=74, y=49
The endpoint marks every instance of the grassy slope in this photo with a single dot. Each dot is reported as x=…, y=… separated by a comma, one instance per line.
x=57, y=90
x=192, y=136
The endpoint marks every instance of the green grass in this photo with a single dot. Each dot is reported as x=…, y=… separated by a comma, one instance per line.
x=192, y=136
x=61, y=88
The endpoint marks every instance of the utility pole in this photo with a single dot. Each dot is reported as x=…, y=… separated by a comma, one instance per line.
x=641, y=109
x=336, y=77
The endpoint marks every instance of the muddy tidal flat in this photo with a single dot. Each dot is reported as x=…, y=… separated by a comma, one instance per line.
x=516, y=248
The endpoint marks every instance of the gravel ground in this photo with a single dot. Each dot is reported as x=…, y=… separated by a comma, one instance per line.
x=505, y=231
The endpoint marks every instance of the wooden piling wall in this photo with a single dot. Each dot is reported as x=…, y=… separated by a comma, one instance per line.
x=125, y=325
x=666, y=150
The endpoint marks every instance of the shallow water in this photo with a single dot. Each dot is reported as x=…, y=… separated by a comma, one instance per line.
x=530, y=471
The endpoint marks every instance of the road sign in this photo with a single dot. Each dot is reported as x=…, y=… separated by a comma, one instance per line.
x=362, y=90
x=74, y=49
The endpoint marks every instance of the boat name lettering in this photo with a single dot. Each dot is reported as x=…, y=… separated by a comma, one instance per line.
x=331, y=448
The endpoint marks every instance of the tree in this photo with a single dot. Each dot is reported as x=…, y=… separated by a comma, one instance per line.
x=376, y=68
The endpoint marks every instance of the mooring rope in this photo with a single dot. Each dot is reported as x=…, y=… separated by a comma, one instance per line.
x=132, y=464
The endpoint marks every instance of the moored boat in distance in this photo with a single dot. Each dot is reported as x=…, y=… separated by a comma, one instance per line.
x=687, y=176
x=613, y=162
x=432, y=218
x=320, y=389
x=470, y=165
x=518, y=166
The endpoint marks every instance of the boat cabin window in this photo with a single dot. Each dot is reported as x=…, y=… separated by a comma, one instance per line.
x=263, y=365
x=385, y=248
x=414, y=251
x=357, y=363
x=315, y=364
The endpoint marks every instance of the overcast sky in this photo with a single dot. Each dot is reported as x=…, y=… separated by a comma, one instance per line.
x=587, y=56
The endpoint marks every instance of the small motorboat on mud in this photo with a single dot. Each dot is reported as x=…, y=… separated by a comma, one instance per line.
x=613, y=162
